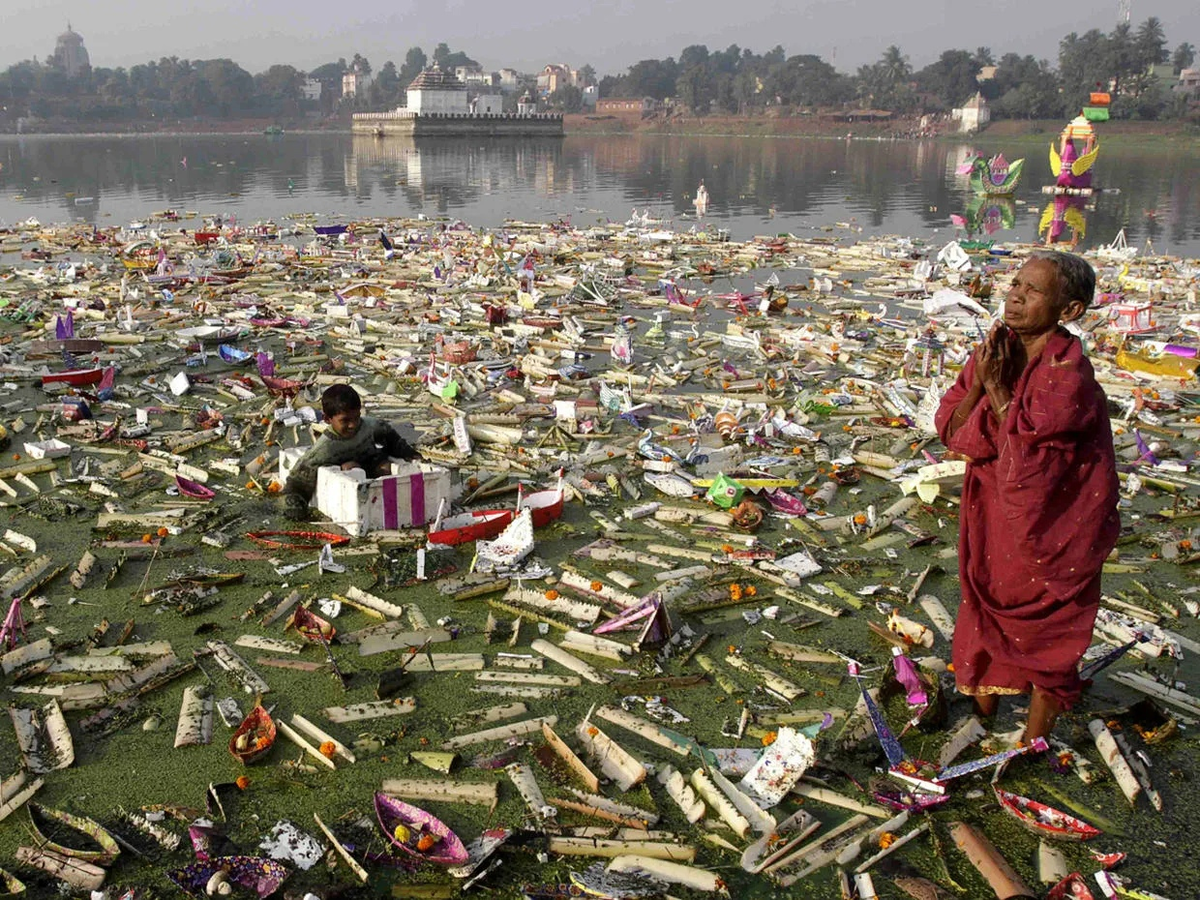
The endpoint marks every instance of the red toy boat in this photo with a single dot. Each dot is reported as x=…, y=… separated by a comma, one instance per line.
x=1044, y=820
x=545, y=506
x=481, y=524
x=193, y=489
x=254, y=738
x=418, y=833
x=75, y=377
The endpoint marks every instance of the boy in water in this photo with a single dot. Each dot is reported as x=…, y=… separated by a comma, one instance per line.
x=353, y=441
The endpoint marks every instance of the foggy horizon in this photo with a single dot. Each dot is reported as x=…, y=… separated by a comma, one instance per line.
x=519, y=35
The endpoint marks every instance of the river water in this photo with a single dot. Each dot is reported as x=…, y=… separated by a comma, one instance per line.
x=756, y=185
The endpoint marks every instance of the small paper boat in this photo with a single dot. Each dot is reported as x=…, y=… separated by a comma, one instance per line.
x=783, y=502
x=409, y=828
x=297, y=540
x=233, y=355
x=546, y=506
x=74, y=377
x=470, y=526
x=329, y=230
x=282, y=387
x=670, y=484
x=205, y=334
x=193, y=489
x=311, y=625
x=254, y=737
x=51, y=449
x=1044, y=820
x=108, y=847
x=254, y=873
x=510, y=547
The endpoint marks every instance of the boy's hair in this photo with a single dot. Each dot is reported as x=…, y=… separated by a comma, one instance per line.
x=338, y=399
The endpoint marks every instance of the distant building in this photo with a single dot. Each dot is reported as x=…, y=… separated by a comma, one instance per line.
x=986, y=73
x=555, y=76
x=591, y=94
x=311, y=90
x=474, y=76
x=510, y=80
x=69, y=53
x=1189, y=82
x=354, y=83
x=527, y=105
x=972, y=115
x=435, y=91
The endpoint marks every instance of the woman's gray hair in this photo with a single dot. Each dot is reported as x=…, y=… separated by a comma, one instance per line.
x=1076, y=277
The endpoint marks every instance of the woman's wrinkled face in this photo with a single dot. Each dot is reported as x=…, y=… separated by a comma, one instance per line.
x=346, y=424
x=1034, y=305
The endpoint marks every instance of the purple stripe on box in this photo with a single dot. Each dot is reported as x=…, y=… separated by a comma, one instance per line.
x=391, y=511
x=417, y=498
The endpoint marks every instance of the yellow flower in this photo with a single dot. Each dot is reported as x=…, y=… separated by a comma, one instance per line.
x=769, y=738
x=328, y=749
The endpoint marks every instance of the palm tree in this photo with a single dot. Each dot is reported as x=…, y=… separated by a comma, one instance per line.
x=1184, y=56
x=894, y=67
x=1151, y=43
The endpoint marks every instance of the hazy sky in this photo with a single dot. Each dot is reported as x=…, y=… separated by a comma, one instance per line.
x=525, y=35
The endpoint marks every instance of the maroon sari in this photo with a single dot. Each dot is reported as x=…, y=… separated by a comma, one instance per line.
x=1039, y=517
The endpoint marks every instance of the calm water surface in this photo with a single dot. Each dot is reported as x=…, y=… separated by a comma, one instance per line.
x=756, y=185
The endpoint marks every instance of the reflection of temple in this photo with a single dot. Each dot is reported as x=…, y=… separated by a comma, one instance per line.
x=448, y=169
x=69, y=53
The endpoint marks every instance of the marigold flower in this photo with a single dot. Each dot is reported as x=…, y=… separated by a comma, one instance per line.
x=243, y=782
x=551, y=594
x=163, y=532
x=146, y=539
x=426, y=841
x=886, y=840
x=597, y=585
x=593, y=731
x=769, y=738
x=328, y=749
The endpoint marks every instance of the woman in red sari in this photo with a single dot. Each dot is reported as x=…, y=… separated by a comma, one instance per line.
x=1039, y=503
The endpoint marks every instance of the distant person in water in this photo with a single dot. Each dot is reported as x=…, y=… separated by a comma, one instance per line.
x=1039, y=502
x=352, y=441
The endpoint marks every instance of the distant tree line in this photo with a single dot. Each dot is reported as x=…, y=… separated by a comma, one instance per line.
x=730, y=81
x=735, y=80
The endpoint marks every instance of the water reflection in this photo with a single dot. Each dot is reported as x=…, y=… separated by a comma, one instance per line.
x=1064, y=221
x=755, y=185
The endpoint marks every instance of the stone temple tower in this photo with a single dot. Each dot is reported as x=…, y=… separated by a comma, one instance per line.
x=69, y=53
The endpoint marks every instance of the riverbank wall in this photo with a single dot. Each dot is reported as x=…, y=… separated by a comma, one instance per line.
x=404, y=124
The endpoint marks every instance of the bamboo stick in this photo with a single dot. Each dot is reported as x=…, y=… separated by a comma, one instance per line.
x=342, y=851
x=474, y=792
x=994, y=868
x=577, y=846
x=1115, y=760
x=321, y=736
x=500, y=733
x=615, y=762
x=567, y=755
x=299, y=740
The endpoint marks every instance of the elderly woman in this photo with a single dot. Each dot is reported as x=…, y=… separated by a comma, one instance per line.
x=1039, y=502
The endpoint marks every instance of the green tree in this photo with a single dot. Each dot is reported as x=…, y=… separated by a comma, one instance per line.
x=360, y=64
x=587, y=75
x=567, y=98
x=1183, y=57
x=951, y=79
x=414, y=65
x=1150, y=44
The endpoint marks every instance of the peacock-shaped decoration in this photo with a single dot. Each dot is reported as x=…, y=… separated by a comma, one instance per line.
x=991, y=176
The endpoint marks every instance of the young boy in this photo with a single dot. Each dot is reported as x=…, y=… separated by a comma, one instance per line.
x=353, y=441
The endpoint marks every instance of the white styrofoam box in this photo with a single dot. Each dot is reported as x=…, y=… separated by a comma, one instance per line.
x=287, y=461
x=409, y=497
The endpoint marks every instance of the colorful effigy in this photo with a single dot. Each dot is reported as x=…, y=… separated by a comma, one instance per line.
x=995, y=176
x=1071, y=162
